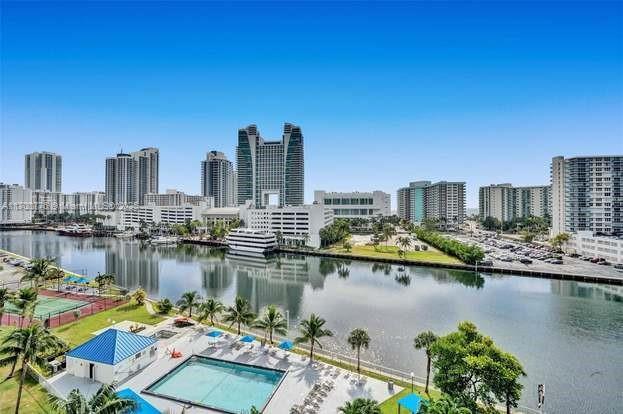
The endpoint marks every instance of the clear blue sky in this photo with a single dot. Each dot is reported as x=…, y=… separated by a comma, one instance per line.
x=385, y=93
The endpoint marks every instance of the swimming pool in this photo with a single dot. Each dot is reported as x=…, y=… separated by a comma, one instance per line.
x=226, y=386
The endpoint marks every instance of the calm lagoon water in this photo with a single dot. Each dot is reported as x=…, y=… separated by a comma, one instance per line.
x=568, y=335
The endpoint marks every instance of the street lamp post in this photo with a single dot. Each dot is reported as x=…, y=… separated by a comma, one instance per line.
x=412, y=380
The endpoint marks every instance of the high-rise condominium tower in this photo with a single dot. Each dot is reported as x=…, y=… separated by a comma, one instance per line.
x=121, y=179
x=130, y=176
x=587, y=194
x=505, y=202
x=148, y=160
x=43, y=171
x=443, y=202
x=217, y=179
x=270, y=168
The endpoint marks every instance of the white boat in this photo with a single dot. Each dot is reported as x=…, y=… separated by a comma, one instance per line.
x=164, y=240
x=251, y=242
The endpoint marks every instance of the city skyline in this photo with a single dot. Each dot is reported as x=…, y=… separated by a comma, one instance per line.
x=396, y=93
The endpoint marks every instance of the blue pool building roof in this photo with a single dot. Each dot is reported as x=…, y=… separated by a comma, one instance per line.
x=411, y=402
x=142, y=406
x=111, y=347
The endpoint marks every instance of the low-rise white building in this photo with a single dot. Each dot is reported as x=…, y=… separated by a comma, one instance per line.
x=355, y=204
x=222, y=215
x=586, y=244
x=15, y=204
x=251, y=242
x=295, y=225
x=176, y=198
x=133, y=216
x=111, y=356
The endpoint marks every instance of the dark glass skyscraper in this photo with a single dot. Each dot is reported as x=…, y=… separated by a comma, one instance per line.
x=270, y=168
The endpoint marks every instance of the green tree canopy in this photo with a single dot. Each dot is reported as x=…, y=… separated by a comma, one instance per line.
x=472, y=369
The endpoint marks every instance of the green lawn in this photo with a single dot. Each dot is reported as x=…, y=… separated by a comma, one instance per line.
x=77, y=332
x=34, y=396
x=391, y=252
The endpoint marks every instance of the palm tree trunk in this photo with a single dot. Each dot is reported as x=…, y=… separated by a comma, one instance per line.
x=21, y=385
x=212, y=319
x=427, y=374
x=358, y=361
x=238, y=328
x=271, y=337
x=13, y=368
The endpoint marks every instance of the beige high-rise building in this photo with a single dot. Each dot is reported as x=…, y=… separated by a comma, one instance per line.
x=43, y=171
x=587, y=194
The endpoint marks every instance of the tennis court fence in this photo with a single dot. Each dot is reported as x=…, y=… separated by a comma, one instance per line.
x=86, y=305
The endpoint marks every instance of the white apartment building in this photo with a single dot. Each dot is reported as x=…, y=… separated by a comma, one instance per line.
x=587, y=194
x=505, y=202
x=130, y=176
x=15, y=204
x=587, y=244
x=445, y=202
x=218, y=179
x=355, y=204
x=442, y=201
x=176, y=198
x=497, y=201
x=46, y=202
x=296, y=225
x=132, y=216
x=43, y=171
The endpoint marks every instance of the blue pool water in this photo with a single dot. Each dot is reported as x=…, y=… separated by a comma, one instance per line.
x=227, y=386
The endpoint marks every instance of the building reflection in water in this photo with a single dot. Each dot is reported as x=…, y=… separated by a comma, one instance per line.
x=278, y=280
x=134, y=265
x=568, y=288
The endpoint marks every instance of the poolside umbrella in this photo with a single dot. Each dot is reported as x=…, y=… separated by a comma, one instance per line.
x=247, y=338
x=286, y=345
x=214, y=335
x=82, y=280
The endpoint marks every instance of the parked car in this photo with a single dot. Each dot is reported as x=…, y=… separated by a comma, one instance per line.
x=556, y=261
x=604, y=263
x=619, y=266
x=525, y=260
x=485, y=263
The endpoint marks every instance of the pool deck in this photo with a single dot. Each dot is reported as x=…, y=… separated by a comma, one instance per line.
x=298, y=382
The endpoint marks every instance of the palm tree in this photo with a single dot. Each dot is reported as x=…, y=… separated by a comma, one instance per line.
x=358, y=339
x=209, y=309
x=360, y=406
x=445, y=405
x=25, y=300
x=272, y=321
x=311, y=330
x=188, y=301
x=104, y=401
x=425, y=340
x=240, y=313
x=57, y=274
x=388, y=232
x=29, y=344
x=38, y=271
x=404, y=242
x=4, y=297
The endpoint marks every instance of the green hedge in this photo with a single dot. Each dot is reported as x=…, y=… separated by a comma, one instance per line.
x=467, y=253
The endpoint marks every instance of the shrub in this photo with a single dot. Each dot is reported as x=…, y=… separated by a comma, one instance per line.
x=164, y=306
x=467, y=253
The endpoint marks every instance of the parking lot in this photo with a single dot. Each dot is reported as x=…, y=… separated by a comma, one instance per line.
x=503, y=253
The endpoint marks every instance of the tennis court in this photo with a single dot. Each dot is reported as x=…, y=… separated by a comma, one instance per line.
x=48, y=306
